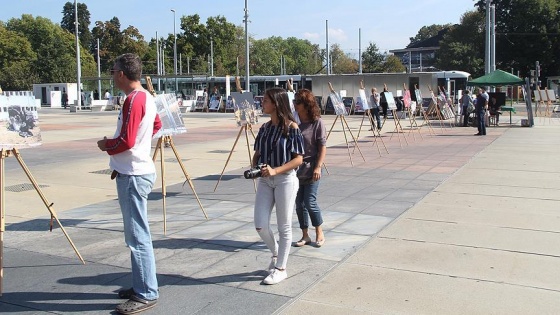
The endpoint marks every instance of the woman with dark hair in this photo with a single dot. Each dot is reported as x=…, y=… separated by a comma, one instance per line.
x=278, y=152
x=309, y=173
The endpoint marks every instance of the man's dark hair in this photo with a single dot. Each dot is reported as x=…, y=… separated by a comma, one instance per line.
x=130, y=65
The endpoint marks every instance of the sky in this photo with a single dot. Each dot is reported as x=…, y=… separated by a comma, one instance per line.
x=389, y=24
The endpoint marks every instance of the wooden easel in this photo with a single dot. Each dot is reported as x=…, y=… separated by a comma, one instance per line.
x=398, y=128
x=538, y=101
x=434, y=108
x=550, y=102
x=546, y=102
x=376, y=131
x=243, y=128
x=163, y=142
x=446, y=106
x=411, y=116
x=345, y=126
x=14, y=152
x=420, y=104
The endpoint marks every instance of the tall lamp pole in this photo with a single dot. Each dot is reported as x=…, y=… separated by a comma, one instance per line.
x=78, y=65
x=175, y=51
x=247, y=83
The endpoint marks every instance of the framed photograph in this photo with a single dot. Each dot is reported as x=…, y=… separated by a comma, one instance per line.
x=244, y=105
x=19, y=121
x=169, y=111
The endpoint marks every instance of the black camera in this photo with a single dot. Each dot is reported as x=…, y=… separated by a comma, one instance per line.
x=253, y=172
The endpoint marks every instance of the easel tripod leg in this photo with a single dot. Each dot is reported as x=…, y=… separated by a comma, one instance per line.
x=163, y=188
x=45, y=201
x=249, y=151
x=229, y=156
x=352, y=135
x=186, y=175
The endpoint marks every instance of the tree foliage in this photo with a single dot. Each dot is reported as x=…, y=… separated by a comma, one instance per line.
x=52, y=57
x=69, y=18
x=342, y=63
x=113, y=41
x=426, y=32
x=372, y=59
x=392, y=64
x=527, y=31
x=462, y=48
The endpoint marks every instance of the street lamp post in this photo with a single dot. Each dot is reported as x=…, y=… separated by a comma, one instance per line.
x=175, y=51
x=78, y=64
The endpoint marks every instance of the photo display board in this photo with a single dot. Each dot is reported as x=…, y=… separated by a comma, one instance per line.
x=391, y=105
x=419, y=99
x=361, y=102
x=337, y=103
x=215, y=102
x=19, y=121
x=245, y=113
x=200, y=103
x=169, y=111
x=230, y=104
x=291, y=97
x=407, y=99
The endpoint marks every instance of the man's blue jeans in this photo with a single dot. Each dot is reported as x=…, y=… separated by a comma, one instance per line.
x=306, y=205
x=481, y=115
x=133, y=193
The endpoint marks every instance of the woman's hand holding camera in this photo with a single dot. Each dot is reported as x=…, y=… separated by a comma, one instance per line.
x=267, y=171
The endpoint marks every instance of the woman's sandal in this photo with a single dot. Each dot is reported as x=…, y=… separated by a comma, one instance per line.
x=302, y=242
x=135, y=305
x=320, y=243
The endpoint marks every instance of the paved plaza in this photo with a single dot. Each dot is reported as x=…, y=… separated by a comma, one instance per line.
x=445, y=223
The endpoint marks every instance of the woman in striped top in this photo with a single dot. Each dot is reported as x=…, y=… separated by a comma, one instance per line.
x=279, y=149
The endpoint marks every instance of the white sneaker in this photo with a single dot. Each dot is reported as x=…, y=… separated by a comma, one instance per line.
x=272, y=265
x=275, y=276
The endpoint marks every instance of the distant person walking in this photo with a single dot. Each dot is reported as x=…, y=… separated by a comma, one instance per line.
x=135, y=173
x=384, y=104
x=375, y=102
x=309, y=172
x=466, y=100
x=64, y=98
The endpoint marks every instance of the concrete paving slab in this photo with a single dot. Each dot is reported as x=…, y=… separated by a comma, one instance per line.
x=498, y=217
x=520, y=269
x=474, y=235
x=392, y=291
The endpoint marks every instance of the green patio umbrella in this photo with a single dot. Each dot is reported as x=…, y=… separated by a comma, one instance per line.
x=496, y=78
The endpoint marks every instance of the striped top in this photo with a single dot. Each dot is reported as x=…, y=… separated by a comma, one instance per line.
x=276, y=149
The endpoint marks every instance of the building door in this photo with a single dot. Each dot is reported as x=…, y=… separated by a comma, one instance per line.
x=43, y=95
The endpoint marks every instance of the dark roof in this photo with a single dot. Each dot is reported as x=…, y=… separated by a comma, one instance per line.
x=430, y=42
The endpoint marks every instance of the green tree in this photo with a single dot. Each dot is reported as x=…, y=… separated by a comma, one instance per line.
x=462, y=48
x=527, y=31
x=392, y=64
x=302, y=57
x=68, y=19
x=16, y=60
x=342, y=63
x=55, y=50
x=113, y=41
x=372, y=59
x=426, y=32
x=197, y=41
x=265, y=55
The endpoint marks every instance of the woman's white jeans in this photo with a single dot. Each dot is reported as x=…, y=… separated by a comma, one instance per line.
x=279, y=190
